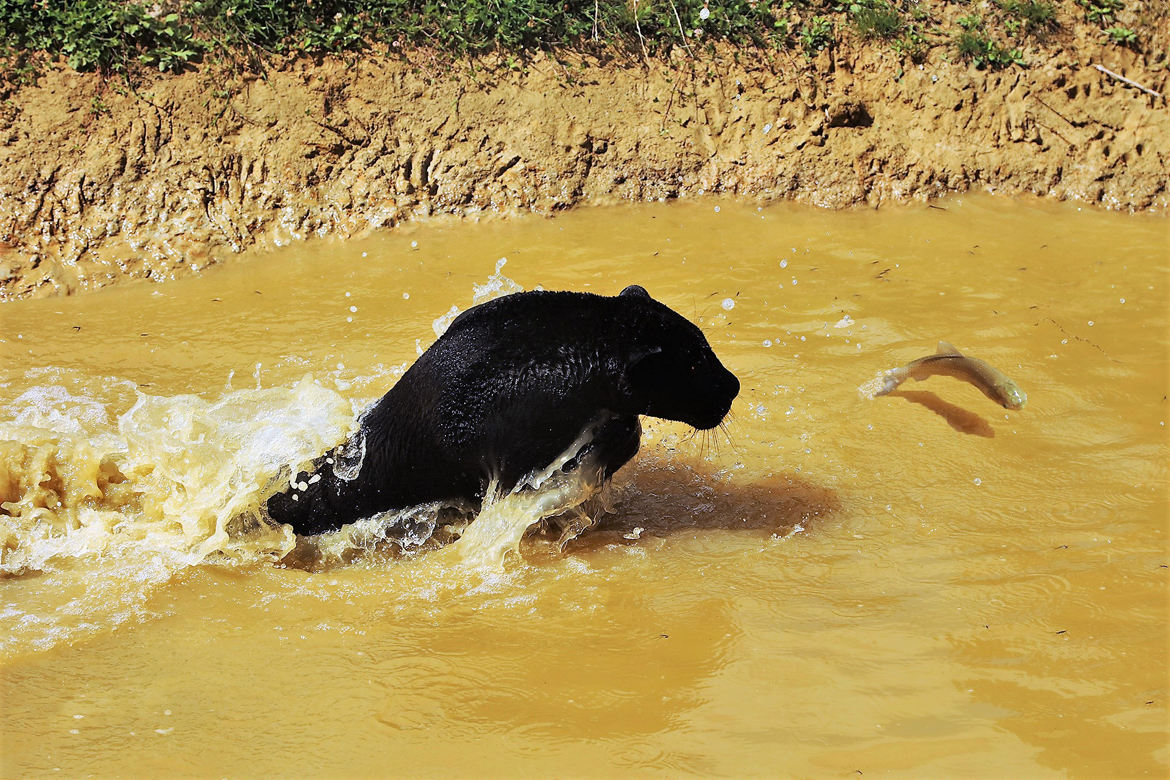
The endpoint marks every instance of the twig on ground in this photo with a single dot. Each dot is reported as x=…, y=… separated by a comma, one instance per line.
x=1053, y=110
x=1131, y=82
x=1057, y=133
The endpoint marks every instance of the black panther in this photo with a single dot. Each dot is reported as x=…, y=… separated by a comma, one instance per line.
x=509, y=387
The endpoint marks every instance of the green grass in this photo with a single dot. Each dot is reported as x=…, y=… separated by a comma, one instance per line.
x=120, y=36
x=99, y=33
x=1037, y=16
x=112, y=34
x=979, y=48
x=877, y=20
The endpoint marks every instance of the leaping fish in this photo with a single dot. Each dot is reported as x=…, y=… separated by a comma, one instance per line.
x=949, y=361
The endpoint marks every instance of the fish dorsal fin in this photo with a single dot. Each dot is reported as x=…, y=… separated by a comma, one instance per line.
x=947, y=348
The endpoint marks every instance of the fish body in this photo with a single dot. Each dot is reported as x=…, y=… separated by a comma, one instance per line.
x=948, y=361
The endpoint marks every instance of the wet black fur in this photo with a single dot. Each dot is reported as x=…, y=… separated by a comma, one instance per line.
x=509, y=386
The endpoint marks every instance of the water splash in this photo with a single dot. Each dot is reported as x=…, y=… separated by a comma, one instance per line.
x=495, y=286
x=180, y=475
x=546, y=493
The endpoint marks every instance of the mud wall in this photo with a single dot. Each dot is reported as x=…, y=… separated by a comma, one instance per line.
x=102, y=182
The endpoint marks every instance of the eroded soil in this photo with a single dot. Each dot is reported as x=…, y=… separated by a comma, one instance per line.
x=102, y=183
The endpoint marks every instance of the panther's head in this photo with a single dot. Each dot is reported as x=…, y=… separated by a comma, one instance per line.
x=672, y=372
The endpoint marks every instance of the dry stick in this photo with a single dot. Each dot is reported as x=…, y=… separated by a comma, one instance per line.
x=680, y=30
x=596, y=13
x=1131, y=82
x=638, y=28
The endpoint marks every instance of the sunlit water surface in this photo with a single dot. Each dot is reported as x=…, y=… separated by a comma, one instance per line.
x=920, y=584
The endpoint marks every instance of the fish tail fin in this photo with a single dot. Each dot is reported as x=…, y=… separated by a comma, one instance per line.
x=947, y=348
x=882, y=384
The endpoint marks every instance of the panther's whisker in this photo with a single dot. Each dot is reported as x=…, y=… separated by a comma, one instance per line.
x=727, y=435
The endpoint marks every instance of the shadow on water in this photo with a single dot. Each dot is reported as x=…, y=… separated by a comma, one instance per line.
x=660, y=500
x=957, y=417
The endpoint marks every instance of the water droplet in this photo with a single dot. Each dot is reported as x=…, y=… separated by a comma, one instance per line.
x=728, y=304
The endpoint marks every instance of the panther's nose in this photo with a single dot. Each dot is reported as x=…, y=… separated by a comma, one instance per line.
x=730, y=385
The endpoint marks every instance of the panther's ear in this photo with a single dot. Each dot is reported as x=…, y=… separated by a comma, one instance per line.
x=637, y=290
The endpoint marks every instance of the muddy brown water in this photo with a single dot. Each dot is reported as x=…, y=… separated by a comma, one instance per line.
x=921, y=584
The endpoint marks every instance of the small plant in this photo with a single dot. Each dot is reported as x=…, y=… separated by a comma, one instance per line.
x=877, y=21
x=1101, y=11
x=1035, y=15
x=816, y=34
x=1122, y=36
x=912, y=44
x=167, y=43
x=980, y=49
x=970, y=22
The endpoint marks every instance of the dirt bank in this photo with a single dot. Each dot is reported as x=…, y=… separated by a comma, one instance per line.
x=99, y=183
